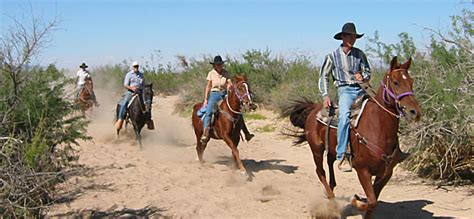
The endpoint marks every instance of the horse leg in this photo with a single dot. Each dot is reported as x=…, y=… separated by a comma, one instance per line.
x=332, y=178
x=366, y=182
x=379, y=183
x=138, y=137
x=317, y=149
x=200, y=147
x=228, y=140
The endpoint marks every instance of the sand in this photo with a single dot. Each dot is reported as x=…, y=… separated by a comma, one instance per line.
x=166, y=175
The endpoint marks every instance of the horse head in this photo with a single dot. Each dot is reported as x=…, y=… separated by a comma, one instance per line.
x=148, y=96
x=398, y=90
x=243, y=92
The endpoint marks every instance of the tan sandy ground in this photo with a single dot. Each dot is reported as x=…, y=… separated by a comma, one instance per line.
x=165, y=174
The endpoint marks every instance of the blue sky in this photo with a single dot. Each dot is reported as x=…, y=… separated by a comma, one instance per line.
x=104, y=32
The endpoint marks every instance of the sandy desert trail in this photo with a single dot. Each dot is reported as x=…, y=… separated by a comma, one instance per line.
x=165, y=174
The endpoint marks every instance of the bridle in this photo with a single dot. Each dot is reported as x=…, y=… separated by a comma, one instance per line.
x=386, y=91
x=239, y=95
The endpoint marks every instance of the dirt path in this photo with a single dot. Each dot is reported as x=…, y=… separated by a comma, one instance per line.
x=165, y=174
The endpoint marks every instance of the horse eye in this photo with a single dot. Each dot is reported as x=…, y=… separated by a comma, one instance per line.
x=395, y=83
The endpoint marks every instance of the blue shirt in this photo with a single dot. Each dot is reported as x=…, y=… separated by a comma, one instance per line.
x=343, y=68
x=134, y=79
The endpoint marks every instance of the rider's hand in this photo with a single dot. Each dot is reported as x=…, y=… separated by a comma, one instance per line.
x=359, y=77
x=327, y=102
x=205, y=102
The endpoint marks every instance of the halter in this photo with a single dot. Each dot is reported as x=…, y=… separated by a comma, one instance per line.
x=395, y=97
x=240, y=97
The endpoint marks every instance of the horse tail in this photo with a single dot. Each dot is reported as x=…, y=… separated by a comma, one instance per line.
x=298, y=113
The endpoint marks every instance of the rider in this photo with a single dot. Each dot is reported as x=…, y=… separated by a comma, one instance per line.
x=349, y=67
x=218, y=82
x=82, y=75
x=134, y=84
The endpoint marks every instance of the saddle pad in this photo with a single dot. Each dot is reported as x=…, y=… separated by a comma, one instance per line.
x=323, y=116
x=131, y=100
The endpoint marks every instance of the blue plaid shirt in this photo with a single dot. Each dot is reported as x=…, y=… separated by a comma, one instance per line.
x=343, y=68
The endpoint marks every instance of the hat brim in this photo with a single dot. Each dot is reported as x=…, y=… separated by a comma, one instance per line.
x=217, y=63
x=338, y=36
x=83, y=66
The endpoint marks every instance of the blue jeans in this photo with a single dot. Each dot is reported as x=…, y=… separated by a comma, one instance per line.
x=346, y=95
x=212, y=100
x=123, y=104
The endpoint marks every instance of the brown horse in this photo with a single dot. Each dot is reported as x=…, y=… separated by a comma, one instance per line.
x=375, y=140
x=85, y=100
x=228, y=123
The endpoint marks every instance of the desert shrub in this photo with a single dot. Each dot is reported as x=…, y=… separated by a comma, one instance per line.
x=38, y=127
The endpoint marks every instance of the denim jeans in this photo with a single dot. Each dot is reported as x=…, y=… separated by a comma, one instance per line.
x=123, y=104
x=212, y=100
x=346, y=95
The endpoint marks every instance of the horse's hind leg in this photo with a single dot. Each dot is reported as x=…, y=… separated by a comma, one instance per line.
x=317, y=148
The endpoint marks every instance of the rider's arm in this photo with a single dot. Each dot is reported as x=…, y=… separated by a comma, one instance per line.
x=208, y=88
x=326, y=68
x=229, y=84
x=365, y=67
x=126, y=83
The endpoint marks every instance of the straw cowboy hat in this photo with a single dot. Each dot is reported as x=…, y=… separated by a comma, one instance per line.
x=348, y=28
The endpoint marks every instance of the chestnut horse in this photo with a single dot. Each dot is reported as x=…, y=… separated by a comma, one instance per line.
x=375, y=140
x=228, y=123
x=85, y=100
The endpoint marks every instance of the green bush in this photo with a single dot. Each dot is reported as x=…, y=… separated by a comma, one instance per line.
x=38, y=130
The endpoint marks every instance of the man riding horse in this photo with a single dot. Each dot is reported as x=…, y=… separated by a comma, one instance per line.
x=82, y=76
x=218, y=82
x=133, y=82
x=349, y=67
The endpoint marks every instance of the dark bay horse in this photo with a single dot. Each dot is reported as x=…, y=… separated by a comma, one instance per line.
x=138, y=112
x=228, y=123
x=85, y=100
x=374, y=141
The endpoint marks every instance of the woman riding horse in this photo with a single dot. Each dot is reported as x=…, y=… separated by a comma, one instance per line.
x=218, y=82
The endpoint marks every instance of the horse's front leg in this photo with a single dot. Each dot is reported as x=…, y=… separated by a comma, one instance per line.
x=137, y=130
x=235, y=153
x=366, y=182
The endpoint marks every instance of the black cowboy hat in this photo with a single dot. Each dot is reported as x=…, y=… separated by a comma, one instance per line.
x=217, y=61
x=83, y=65
x=348, y=28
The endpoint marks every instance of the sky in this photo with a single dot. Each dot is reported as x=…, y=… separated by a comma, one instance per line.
x=101, y=32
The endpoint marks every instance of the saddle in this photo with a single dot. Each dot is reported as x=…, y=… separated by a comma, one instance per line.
x=215, y=113
x=324, y=115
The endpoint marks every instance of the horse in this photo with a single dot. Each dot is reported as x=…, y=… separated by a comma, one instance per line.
x=374, y=141
x=85, y=100
x=228, y=124
x=138, y=111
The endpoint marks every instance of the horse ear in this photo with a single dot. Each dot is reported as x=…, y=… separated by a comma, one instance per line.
x=407, y=64
x=393, y=63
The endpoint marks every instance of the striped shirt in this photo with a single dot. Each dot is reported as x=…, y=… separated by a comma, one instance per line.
x=343, y=67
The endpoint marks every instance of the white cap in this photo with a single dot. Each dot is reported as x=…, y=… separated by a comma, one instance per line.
x=135, y=63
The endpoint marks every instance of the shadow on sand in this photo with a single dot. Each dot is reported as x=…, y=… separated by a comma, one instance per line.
x=396, y=210
x=254, y=166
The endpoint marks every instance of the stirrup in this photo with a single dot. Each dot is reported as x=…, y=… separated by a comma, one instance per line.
x=347, y=157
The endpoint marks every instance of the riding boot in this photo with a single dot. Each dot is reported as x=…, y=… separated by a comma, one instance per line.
x=248, y=135
x=118, y=124
x=403, y=156
x=205, y=135
x=150, y=124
